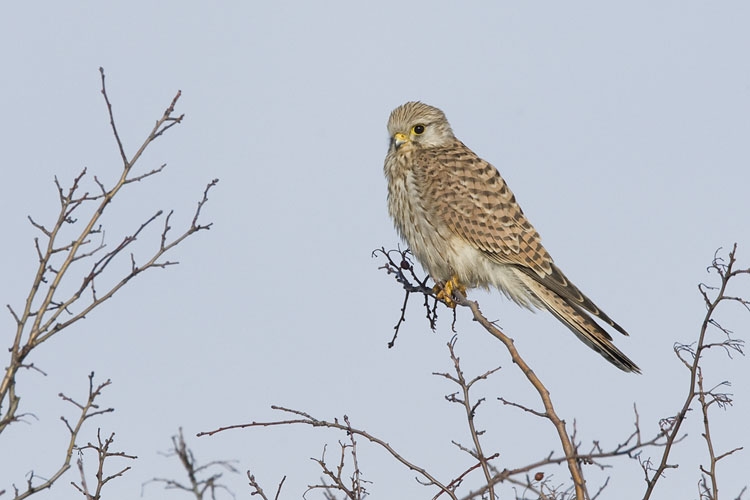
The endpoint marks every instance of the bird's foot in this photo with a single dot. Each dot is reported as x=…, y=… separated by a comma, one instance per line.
x=444, y=291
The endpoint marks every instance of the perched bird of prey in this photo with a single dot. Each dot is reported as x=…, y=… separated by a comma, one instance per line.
x=464, y=226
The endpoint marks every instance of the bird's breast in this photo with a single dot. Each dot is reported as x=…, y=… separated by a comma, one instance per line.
x=430, y=240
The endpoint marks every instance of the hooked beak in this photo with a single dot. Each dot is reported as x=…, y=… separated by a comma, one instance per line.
x=399, y=139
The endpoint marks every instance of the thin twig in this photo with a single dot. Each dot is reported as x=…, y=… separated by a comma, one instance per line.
x=550, y=413
x=87, y=410
x=307, y=419
x=725, y=271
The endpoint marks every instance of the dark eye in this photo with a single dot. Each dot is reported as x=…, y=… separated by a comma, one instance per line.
x=418, y=129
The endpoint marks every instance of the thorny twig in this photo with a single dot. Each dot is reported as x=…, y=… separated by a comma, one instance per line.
x=567, y=445
x=257, y=490
x=353, y=491
x=197, y=485
x=87, y=410
x=691, y=357
x=58, y=298
x=629, y=447
x=670, y=427
x=471, y=410
x=103, y=453
x=403, y=272
x=529, y=477
x=307, y=419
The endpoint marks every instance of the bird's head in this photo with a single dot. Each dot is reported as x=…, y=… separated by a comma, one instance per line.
x=416, y=124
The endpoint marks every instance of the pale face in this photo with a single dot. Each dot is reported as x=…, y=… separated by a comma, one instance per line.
x=416, y=124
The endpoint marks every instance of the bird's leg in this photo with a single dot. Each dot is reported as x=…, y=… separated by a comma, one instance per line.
x=444, y=291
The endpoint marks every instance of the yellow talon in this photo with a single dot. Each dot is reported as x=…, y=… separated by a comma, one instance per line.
x=444, y=292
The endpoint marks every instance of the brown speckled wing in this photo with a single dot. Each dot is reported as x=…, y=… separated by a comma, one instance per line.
x=471, y=198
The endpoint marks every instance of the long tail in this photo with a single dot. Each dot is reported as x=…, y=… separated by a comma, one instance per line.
x=569, y=305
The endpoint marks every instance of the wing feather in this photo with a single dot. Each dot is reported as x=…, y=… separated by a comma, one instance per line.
x=476, y=204
x=474, y=201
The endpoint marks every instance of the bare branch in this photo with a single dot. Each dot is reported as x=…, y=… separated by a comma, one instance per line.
x=199, y=486
x=112, y=122
x=257, y=490
x=410, y=283
x=691, y=356
x=567, y=445
x=314, y=422
x=42, y=314
x=103, y=453
x=87, y=410
x=470, y=410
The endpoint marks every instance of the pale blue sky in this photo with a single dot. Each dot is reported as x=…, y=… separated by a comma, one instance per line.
x=623, y=131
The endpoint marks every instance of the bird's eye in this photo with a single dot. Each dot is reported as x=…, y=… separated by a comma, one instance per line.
x=418, y=129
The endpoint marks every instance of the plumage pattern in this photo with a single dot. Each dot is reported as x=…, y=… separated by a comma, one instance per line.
x=461, y=220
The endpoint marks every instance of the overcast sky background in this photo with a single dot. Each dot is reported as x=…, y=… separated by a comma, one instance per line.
x=624, y=132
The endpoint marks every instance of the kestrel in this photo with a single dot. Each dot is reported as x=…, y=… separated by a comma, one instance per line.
x=464, y=226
